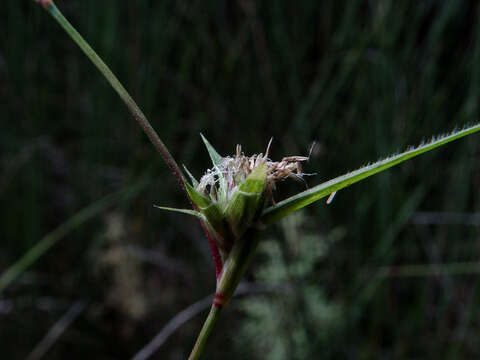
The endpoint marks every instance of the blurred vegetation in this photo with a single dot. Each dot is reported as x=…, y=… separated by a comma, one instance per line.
x=362, y=78
x=300, y=323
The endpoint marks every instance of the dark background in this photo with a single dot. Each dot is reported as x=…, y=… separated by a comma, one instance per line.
x=362, y=78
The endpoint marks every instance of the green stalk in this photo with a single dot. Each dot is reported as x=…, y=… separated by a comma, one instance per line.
x=204, y=333
x=237, y=262
x=134, y=109
x=118, y=87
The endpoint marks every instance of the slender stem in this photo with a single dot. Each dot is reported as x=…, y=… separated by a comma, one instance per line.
x=204, y=333
x=134, y=109
x=240, y=256
x=118, y=87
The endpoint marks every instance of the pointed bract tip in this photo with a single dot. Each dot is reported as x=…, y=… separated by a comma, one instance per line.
x=214, y=155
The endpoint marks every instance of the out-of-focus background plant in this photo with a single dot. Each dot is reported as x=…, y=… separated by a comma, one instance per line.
x=352, y=279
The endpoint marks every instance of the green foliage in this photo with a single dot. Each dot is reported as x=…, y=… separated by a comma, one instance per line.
x=298, y=201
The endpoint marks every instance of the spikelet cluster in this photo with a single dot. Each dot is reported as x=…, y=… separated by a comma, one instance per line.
x=235, y=169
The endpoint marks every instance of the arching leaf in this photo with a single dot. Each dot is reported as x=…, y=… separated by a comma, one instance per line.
x=296, y=202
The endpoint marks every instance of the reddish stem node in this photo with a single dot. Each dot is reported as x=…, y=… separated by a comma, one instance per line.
x=219, y=300
x=44, y=3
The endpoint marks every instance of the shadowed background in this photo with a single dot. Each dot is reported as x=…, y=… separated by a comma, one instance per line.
x=362, y=78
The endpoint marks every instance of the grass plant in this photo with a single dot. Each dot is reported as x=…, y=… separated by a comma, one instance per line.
x=236, y=208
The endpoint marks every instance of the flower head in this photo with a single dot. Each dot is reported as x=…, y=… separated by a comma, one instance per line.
x=230, y=196
x=222, y=181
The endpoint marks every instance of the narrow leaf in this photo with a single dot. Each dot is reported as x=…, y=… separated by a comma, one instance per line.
x=183, y=211
x=214, y=231
x=296, y=202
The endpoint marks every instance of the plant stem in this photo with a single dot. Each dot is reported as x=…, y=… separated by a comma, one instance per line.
x=134, y=109
x=233, y=270
x=204, y=333
x=118, y=87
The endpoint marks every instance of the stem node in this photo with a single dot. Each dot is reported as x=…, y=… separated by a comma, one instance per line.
x=44, y=3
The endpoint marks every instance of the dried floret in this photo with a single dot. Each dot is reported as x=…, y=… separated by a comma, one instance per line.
x=231, y=171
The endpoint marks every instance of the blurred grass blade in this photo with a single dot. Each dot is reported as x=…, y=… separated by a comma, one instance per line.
x=296, y=202
x=421, y=270
x=92, y=210
x=57, y=330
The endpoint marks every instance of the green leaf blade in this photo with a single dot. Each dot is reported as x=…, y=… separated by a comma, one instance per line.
x=214, y=229
x=296, y=202
x=183, y=211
